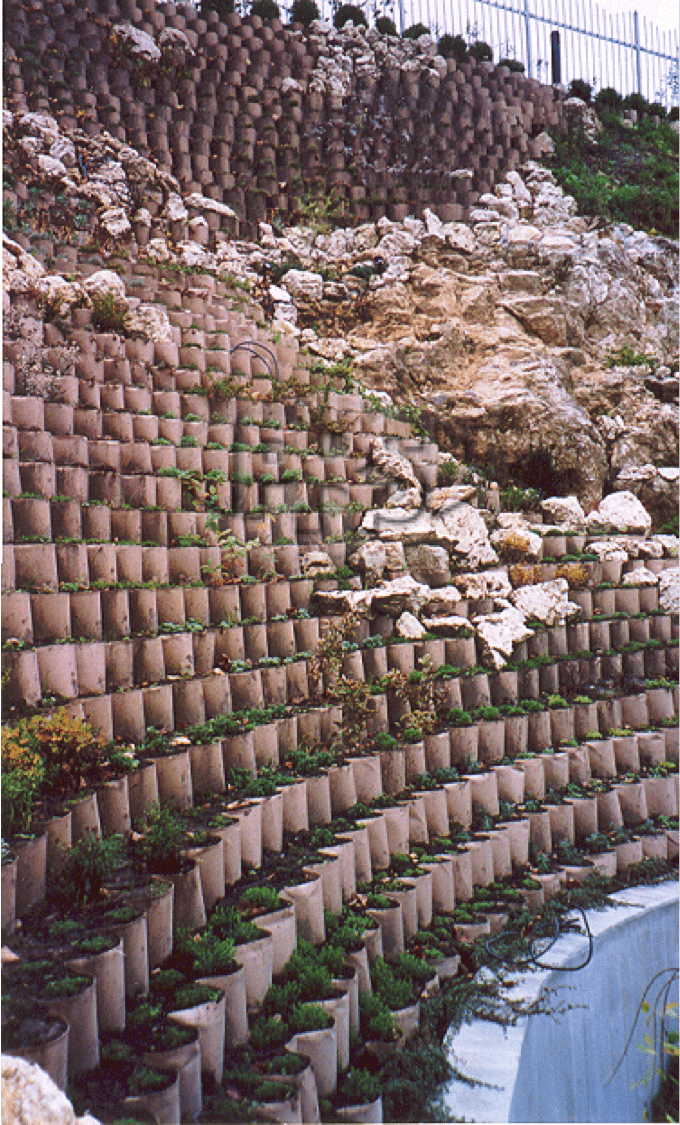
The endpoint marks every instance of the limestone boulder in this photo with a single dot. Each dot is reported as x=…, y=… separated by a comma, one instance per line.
x=445, y=625
x=114, y=222
x=547, y=602
x=303, y=285
x=343, y=601
x=487, y=584
x=316, y=564
x=409, y=626
x=428, y=564
x=656, y=489
x=565, y=512
x=669, y=591
x=393, y=464
x=468, y=537
x=403, y=524
x=499, y=633
x=400, y=595
x=622, y=512
x=409, y=498
x=608, y=550
x=640, y=577
x=374, y=558
x=30, y=1097
x=60, y=296
x=135, y=43
x=151, y=322
x=444, y=499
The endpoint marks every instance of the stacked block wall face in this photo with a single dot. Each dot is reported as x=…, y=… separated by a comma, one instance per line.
x=230, y=126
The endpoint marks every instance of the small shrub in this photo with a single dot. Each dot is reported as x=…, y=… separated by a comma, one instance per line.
x=265, y=9
x=415, y=31
x=512, y=64
x=88, y=863
x=575, y=573
x=481, y=51
x=453, y=47
x=108, y=315
x=385, y=25
x=261, y=898
x=638, y=103
x=580, y=89
x=608, y=99
x=347, y=12
x=222, y=7
x=359, y=1087
x=309, y=1017
x=304, y=12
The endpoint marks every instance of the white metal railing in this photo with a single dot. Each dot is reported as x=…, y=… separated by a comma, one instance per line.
x=623, y=49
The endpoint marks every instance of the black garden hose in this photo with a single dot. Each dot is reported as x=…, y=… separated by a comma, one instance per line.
x=559, y=927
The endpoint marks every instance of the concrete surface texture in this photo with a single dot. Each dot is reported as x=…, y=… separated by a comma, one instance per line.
x=576, y=1053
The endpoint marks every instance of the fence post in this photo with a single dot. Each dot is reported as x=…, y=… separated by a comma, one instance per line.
x=527, y=28
x=555, y=58
x=638, y=61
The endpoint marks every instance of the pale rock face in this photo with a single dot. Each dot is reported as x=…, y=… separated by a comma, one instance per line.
x=443, y=499
x=51, y=166
x=60, y=295
x=372, y=559
x=607, y=550
x=547, y=602
x=469, y=537
x=136, y=42
x=174, y=46
x=522, y=236
x=405, y=498
x=105, y=285
x=175, y=211
x=157, y=250
x=428, y=564
x=656, y=488
x=669, y=545
x=393, y=598
x=409, y=626
x=151, y=322
x=344, y=601
x=20, y=270
x=317, y=563
x=400, y=523
x=446, y=624
x=443, y=601
x=565, y=512
x=487, y=584
x=669, y=591
x=499, y=633
x=30, y=1097
x=115, y=222
x=620, y=511
x=204, y=203
x=393, y=464
x=640, y=577
x=304, y=285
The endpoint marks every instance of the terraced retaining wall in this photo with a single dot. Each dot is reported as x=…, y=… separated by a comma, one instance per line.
x=259, y=118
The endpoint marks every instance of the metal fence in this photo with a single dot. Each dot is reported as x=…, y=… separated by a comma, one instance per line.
x=624, y=50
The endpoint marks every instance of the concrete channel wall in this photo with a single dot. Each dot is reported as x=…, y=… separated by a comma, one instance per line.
x=557, y=1069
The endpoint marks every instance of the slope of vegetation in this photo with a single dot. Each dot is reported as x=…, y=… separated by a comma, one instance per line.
x=628, y=174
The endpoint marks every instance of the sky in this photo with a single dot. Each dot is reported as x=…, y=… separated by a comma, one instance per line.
x=664, y=13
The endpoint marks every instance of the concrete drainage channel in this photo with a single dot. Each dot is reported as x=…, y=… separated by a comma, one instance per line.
x=558, y=1068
